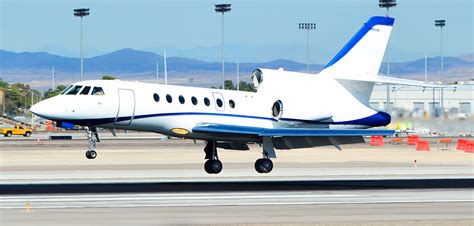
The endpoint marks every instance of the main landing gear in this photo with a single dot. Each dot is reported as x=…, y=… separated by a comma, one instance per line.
x=93, y=138
x=213, y=165
x=263, y=165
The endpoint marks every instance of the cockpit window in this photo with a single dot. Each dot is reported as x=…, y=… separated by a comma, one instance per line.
x=74, y=90
x=86, y=90
x=98, y=91
x=65, y=90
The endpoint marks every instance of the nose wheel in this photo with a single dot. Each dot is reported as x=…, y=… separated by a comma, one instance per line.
x=91, y=154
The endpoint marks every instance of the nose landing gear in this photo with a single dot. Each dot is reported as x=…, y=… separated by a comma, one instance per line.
x=93, y=138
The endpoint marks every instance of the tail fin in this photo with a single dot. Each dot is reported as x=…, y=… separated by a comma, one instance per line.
x=363, y=54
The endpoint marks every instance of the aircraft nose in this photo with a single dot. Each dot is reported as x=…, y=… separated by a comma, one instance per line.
x=42, y=109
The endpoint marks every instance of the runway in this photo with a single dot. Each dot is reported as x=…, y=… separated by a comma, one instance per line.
x=394, y=206
x=154, y=182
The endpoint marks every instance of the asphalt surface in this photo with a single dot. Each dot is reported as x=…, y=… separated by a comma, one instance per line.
x=144, y=180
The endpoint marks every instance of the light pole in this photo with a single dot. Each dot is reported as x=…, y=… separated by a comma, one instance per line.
x=222, y=8
x=53, y=78
x=387, y=4
x=81, y=13
x=441, y=24
x=307, y=27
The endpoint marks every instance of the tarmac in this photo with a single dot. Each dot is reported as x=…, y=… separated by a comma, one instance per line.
x=143, y=179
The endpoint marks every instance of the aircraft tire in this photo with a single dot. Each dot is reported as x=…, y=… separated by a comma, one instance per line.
x=213, y=166
x=263, y=165
x=91, y=154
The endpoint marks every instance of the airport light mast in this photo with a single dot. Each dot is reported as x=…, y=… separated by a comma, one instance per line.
x=307, y=27
x=441, y=24
x=82, y=12
x=387, y=4
x=222, y=8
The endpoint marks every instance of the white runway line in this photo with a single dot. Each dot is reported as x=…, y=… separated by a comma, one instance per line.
x=84, y=176
x=236, y=199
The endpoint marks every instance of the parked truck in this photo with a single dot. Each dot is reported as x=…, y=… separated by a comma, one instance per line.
x=17, y=130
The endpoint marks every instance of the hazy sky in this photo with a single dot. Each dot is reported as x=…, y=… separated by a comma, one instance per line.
x=255, y=30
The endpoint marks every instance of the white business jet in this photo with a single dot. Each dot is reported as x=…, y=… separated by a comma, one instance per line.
x=288, y=110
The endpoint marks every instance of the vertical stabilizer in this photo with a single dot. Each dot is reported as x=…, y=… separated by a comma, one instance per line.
x=363, y=54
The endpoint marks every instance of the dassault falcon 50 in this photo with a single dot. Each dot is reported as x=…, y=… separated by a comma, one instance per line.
x=289, y=109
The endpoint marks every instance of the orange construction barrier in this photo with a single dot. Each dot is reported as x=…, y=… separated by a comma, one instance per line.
x=446, y=142
x=413, y=139
x=397, y=140
x=469, y=148
x=376, y=141
x=423, y=145
x=461, y=144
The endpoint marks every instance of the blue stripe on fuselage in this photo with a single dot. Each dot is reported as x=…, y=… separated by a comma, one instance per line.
x=378, y=119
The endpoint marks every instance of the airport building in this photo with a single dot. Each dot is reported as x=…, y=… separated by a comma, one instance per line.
x=458, y=99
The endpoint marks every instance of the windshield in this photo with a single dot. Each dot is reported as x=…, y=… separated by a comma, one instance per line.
x=98, y=91
x=74, y=90
x=65, y=90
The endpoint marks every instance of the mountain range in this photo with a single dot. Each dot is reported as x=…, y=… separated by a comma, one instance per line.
x=129, y=61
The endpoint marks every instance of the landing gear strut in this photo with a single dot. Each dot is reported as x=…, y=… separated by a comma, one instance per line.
x=93, y=138
x=213, y=165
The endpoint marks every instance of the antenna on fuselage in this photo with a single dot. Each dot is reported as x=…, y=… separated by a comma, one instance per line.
x=166, y=70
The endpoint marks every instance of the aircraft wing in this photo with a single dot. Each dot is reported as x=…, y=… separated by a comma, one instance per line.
x=229, y=130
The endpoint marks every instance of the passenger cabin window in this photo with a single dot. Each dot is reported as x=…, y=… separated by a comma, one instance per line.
x=194, y=100
x=98, y=91
x=86, y=90
x=169, y=98
x=156, y=97
x=65, y=90
x=181, y=99
x=219, y=102
x=231, y=104
x=74, y=90
x=206, y=101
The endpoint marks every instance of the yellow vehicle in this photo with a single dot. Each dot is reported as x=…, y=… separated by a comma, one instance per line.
x=17, y=130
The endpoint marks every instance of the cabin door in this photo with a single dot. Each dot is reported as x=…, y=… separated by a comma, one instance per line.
x=126, y=107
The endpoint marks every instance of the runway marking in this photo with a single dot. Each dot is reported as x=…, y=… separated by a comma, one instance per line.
x=237, y=204
x=126, y=200
x=165, y=197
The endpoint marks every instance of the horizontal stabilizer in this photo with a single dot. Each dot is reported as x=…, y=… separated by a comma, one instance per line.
x=390, y=80
x=209, y=128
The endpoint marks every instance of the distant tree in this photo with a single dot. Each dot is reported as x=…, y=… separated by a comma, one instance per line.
x=50, y=93
x=243, y=86
x=228, y=84
x=3, y=84
x=108, y=77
